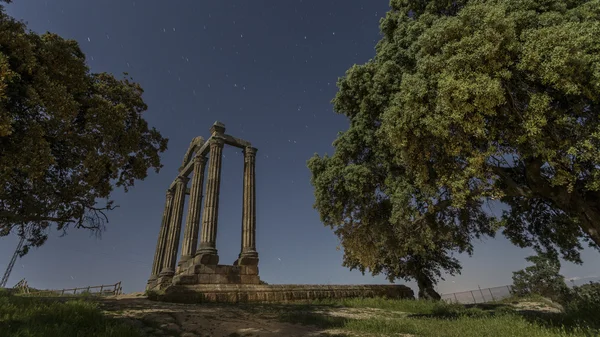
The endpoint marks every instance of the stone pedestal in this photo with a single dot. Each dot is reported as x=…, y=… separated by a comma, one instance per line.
x=206, y=259
x=240, y=293
x=218, y=274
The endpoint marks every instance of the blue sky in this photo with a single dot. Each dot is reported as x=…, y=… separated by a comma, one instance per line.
x=267, y=69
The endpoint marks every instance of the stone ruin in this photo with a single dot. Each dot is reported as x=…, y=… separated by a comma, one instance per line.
x=198, y=276
x=199, y=263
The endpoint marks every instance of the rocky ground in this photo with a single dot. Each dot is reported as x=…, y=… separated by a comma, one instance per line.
x=186, y=320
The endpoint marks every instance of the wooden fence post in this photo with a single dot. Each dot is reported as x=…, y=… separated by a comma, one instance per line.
x=62, y=292
x=456, y=299
x=474, y=300
x=490, y=290
x=74, y=291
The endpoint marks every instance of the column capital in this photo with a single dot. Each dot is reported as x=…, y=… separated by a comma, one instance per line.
x=250, y=151
x=181, y=179
x=218, y=128
x=199, y=158
x=216, y=141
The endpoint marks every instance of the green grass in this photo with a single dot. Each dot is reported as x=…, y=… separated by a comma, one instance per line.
x=22, y=316
x=426, y=318
x=41, y=317
x=416, y=307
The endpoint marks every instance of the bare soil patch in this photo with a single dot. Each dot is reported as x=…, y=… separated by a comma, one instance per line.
x=203, y=320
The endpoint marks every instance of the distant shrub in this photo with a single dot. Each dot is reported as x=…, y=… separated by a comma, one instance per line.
x=542, y=278
x=584, y=303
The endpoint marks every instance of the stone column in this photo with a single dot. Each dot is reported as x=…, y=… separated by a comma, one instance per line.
x=207, y=251
x=192, y=224
x=248, y=255
x=168, y=265
x=162, y=237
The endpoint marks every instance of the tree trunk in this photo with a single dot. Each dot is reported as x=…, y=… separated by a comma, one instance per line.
x=426, y=289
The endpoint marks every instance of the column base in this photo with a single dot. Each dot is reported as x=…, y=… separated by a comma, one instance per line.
x=166, y=272
x=246, y=261
x=185, y=258
x=206, y=259
x=183, y=264
x=151, y=284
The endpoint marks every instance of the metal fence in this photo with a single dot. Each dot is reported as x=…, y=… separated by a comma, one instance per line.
x=101, y=290
x=479, y=295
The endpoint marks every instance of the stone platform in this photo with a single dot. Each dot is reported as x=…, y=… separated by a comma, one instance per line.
x=216, y=274
x=241, y=293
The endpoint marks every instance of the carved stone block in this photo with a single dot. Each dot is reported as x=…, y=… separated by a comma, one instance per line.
x=218, y=279
x=250, y=279
x=204, y=278
x=206, y=259
x=247, y=261
x=251, y=270
x=205, y=269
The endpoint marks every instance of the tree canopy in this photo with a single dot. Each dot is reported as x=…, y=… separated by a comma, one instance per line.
x=467, y=104
x=542, y=278
x=67, y=136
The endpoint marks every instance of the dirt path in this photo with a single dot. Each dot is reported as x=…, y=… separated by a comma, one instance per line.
x=187, y=320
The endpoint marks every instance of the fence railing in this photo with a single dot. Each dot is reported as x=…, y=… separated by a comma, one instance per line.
x=101, y=290
x=478, y=295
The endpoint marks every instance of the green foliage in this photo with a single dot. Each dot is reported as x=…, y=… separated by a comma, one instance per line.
x=427, y=318
x=584, y=304
x=67, y=136
x=467, y=104
x=404, y=305
x=542, y=278
x=29, y=317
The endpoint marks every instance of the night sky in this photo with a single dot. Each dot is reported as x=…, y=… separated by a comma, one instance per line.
x=267, y=70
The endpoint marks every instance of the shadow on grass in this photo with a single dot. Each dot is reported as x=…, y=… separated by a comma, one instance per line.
x=569, y=321
x=20, y=316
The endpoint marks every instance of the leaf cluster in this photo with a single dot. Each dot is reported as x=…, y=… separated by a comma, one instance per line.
x=67, y=136
x=466, y=105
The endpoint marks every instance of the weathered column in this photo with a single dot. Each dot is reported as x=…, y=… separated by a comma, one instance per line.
x=248, y=254
x=162, y=237
x=192, y=223
x=207, y=251
x=170, y=258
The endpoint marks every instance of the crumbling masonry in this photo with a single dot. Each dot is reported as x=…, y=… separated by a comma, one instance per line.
x=199, y=262
x=198, y=276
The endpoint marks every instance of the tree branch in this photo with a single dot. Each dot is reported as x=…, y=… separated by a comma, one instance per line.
x=514, y=189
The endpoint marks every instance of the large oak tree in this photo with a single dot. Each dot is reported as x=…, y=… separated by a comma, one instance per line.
x=467, y=103
x=67, y=136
